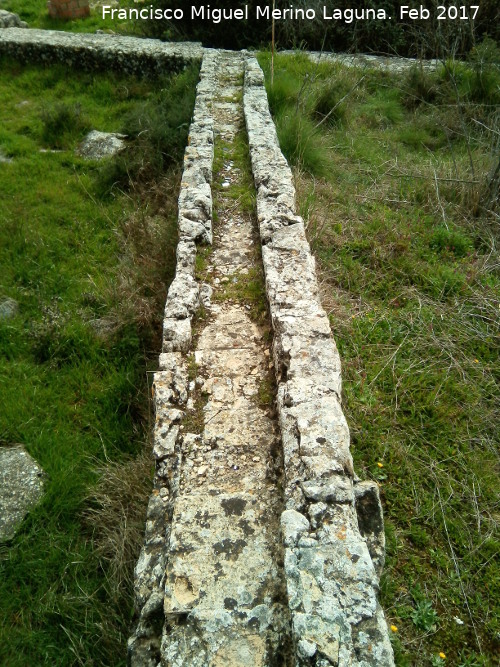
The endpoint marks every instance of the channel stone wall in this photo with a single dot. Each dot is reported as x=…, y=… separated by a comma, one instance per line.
x=170, y=386
x=332, y=578
x=100, y=51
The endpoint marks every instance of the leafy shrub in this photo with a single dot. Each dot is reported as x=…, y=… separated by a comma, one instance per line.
x=63, y=125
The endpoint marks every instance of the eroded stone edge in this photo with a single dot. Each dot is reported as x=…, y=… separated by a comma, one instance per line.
x=98, y=51
x=170, y=382
x=332, y=569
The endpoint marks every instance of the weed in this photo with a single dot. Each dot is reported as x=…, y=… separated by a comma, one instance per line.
x=158, y=131
x=115, y=516
x=300, y=144
x=424, y=616
x=446, y=240
x=266, y=392
x=437, y=661
x=382, y=109
x=419, y=85
x=329, y=102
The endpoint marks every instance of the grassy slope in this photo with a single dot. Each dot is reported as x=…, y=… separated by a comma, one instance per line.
x=72, y=363
x=409, y=279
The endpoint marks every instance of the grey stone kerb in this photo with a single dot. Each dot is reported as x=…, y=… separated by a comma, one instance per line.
x=170, y=388
x=332, y=526
x=99, y=51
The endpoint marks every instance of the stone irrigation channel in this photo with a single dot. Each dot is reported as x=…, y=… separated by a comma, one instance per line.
x=262, y=548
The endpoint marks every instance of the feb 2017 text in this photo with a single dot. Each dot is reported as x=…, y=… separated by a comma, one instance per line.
x=267, y=13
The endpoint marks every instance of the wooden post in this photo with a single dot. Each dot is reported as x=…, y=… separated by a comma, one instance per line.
x=272, y=46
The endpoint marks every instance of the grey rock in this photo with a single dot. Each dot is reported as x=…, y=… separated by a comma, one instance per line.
x=205, y=295
x=10, y=20
x=98, y=145
x=9, y=308
x=4, y=159
x=293, y=525
x=170, y=383
x=21, y=487
x=331, y=578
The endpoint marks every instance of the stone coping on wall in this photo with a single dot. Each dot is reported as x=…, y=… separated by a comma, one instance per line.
x=98, y=51
x=363, y=60
x=332, y=569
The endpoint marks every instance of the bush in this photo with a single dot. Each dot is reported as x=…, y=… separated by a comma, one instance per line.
x=159, y=129
x=63, y=125
x=419, y=86
x=446, y=240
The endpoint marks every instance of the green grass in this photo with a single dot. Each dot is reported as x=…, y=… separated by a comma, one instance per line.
x=90, y=276
x=36, y=14
x=408, y=265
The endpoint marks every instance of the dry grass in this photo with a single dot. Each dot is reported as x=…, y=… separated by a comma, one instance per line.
x=116, y=516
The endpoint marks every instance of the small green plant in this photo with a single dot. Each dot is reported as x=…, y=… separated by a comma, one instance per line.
x=424, y=616
x=471, y=660
x=450, y=241
x=437, y=661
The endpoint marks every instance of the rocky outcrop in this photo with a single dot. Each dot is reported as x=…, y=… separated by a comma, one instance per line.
x=332, y=580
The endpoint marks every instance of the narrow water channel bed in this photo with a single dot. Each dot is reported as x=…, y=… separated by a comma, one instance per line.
x=87, y=251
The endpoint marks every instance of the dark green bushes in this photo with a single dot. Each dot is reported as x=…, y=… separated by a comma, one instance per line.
x=421, y=38
x=158, y=129
x=62, y=123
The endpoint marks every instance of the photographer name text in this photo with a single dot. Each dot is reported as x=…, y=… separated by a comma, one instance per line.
x=267, y=13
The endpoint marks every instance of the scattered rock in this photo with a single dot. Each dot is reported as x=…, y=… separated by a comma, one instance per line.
x=21, y=487
x=8, y=308
x=98, y=145
x=4, y=159
x=10, y=20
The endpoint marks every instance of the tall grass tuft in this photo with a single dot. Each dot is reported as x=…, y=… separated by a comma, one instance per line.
x=300, y=143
